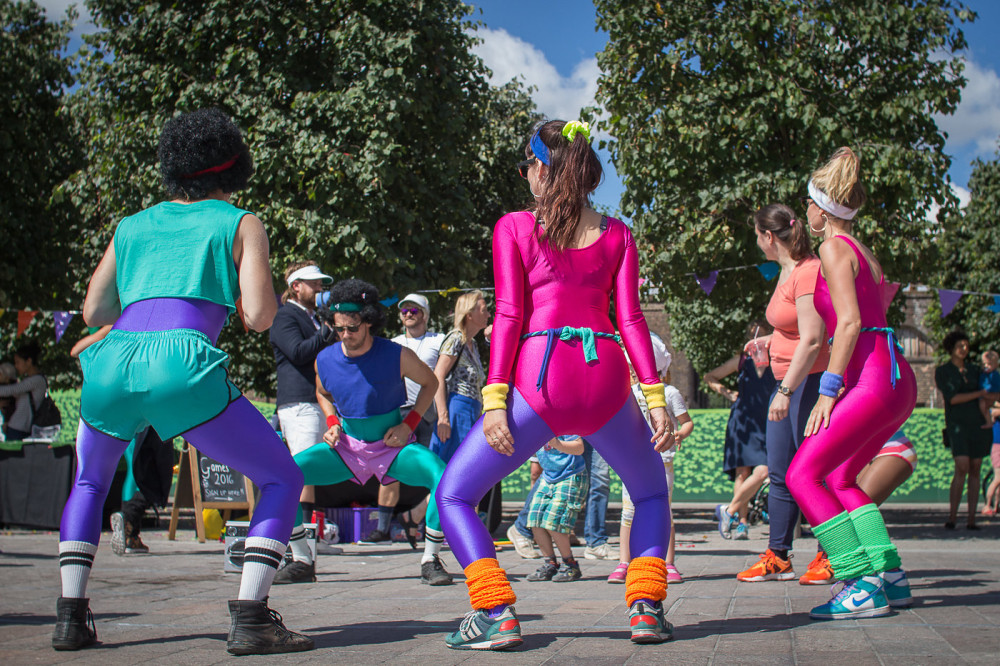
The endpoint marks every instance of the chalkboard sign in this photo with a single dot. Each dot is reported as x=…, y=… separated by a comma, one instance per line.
x=204, y=483
x=219, y=482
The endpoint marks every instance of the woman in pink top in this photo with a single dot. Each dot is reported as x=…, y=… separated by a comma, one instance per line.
x=556, y=268
x=798, y=356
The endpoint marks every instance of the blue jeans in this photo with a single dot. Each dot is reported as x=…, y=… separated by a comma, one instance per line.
x=521, y=524
x=597, y=497
x=783, y=439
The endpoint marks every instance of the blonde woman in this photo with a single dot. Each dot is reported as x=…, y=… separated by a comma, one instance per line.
x=460, y=375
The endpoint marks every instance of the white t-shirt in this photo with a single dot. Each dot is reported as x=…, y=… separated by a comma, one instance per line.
x=426, y=347
x=675, y=407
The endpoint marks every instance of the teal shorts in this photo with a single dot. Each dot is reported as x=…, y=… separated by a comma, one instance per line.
x=172, y=380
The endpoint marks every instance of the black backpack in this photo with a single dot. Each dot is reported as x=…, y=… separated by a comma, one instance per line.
x=46, y=414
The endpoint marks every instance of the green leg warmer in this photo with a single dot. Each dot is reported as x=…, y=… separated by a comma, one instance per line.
x=416, y=465
x=847, y=556
x=874, y=538
x=321, y=466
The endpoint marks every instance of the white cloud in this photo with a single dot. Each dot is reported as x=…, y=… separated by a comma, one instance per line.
x=976, y=123
x=56, y=10
x=557, y=96
x=964, y=197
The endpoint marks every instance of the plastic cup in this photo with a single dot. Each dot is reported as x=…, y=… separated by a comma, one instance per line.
x=759, y=355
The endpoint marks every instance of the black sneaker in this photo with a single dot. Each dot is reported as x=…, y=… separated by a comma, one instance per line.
x=544, y=572
x=74, y=625
x=376, y=536
x=433, y=573
x=257, y=629
x=568, y=573
x=296, y=572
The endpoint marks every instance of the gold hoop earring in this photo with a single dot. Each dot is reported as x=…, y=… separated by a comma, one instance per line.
x=821, y=229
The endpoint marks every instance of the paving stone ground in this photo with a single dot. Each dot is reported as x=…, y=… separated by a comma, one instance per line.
x=368, y=605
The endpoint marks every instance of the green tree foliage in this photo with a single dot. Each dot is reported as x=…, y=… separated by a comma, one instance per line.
x=719, y=108
x=381, y=150
x=37, y=151
x=970, y=243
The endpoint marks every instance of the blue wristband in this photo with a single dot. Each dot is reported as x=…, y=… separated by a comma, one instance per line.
x=830, y=384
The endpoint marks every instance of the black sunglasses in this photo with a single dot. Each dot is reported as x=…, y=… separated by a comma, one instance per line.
x=805, y=201
x=523, y=165
x=353, y=328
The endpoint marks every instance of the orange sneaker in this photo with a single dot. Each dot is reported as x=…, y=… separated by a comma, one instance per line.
x=770, y=567
x=819, y=572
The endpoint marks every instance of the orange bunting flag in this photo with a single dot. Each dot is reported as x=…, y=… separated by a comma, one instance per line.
x=24, y=318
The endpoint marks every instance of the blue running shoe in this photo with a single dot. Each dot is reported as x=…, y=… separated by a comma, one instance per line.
x=741, y=533
x=648, y=623
x=861, y=597
x=726, y=521
x=897, y=588
x=479, y=631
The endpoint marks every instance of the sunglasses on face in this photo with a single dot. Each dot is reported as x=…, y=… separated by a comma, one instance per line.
x=410, y=311
x=805, y=201
x=523, y=165
x=351, y=329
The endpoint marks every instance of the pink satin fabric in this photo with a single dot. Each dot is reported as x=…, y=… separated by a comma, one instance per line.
x=368, y=459
x=537, y=288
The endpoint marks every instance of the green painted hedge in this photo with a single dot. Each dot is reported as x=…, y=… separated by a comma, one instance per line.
x=698, y=466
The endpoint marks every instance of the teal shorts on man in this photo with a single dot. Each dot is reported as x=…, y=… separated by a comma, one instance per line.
x=172, y=380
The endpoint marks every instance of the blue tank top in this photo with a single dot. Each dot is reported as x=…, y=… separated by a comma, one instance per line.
x=366, y=385
x=178, y=250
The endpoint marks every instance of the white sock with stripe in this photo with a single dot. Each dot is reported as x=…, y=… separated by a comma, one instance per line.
x=261, y=557
x=300, y=545
x=75, y=561
x=432, y=544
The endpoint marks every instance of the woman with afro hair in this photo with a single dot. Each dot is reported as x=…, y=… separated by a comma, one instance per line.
x=168, y=281
x=360, y=388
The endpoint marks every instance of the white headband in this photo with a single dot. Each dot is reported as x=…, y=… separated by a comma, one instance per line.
x=823, y=200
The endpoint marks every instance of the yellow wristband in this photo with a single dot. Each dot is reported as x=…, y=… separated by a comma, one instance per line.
x=495, y=396
x=654, y=394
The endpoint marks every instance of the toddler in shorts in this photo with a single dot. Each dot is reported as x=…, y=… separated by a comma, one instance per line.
x=561, y=494
x=989, y=381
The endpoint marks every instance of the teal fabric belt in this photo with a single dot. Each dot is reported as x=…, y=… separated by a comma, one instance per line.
x=586, y=335
x=895, y=347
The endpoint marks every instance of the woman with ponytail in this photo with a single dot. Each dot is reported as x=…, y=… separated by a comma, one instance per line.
x=798, y=355
x=866, y=394
x=556, y=267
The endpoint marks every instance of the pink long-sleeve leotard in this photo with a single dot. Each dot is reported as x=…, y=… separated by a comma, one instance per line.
x=540, y=288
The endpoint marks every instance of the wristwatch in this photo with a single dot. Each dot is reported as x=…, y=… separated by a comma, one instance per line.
x=784, y=390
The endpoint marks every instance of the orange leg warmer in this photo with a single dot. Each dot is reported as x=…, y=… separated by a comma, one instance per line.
x=646, y=579
x=488, y=584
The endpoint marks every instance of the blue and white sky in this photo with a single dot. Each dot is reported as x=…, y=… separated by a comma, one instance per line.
x=551, y=45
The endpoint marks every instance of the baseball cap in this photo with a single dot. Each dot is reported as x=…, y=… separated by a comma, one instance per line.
x=419, y=300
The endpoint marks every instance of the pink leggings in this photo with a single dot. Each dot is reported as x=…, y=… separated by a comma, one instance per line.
x=823, y=476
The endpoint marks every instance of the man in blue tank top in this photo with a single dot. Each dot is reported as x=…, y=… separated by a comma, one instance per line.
x=360, y=388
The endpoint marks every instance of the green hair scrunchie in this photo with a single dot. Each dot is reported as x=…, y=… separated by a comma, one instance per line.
x=573, y=127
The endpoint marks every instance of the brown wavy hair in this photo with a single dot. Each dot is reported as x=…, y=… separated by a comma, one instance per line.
x=777, y=218
x=574, y=173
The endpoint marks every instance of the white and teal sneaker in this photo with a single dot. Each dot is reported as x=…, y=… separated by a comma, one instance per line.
x=479, y=631
x=897, y=588
x=860, y=597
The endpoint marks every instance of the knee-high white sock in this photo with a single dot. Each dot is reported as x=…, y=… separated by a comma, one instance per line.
x=75, y=560
x=260, y=562
x=432, y=544
x=300, y=545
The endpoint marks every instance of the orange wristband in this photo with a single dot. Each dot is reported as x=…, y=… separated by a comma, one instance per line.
x=332, y=420
x=412, y=419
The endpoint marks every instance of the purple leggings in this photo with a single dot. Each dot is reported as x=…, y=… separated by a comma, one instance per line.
x=476, y=467
x=239, y=437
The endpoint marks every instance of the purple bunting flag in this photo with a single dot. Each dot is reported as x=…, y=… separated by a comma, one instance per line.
x=707, y=283
x=949, y=298
x=769, y=269
x=62, y=320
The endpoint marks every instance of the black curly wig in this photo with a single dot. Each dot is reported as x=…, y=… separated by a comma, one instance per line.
x=953, y=339
x=360, y=292
x=202, y=139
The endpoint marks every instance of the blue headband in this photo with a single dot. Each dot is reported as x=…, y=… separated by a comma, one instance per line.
x=539, y=148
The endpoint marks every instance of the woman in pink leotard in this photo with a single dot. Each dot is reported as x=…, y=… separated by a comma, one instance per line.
x=866, y=394
x=556, y=268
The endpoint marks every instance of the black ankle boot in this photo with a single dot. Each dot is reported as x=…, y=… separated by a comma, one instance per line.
x=74, y=625
x=257, y=629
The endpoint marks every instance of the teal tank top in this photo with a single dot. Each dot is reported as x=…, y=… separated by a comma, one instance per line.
x=175, y=250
